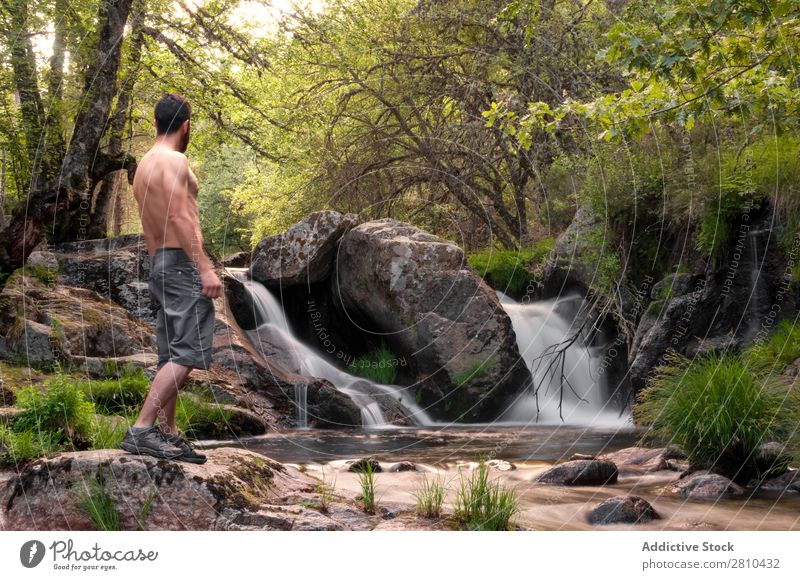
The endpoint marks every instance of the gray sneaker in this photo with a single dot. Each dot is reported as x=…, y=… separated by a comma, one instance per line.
x=189, y=453
x=150, y=442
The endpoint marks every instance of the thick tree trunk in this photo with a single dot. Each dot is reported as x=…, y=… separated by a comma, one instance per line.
x=99, y=91
x=111, y=186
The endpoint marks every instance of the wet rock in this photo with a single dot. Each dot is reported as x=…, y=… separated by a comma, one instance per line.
x=623, y=509
x=237, y=260
x=580, y=472
x=185, y=496
x=240, y=302
x=302, y=255
x=705, y=485
x=642, y=458
x=788, y=482
x=576, y=456
x=403, y=466
x=327, y=407
x=416, y=289
x=360, y=465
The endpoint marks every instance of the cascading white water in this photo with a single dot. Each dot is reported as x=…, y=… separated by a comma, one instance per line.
x=306, y=361
x=539, y=327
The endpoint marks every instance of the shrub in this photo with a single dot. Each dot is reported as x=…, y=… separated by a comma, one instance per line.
x=61, y=409
x=482, y=504
x=718, y=411
x=379, y=366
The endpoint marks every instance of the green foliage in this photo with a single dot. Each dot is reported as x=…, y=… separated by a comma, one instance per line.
x=325, y=488
x=718, y=411
x=510, y=271
x=477, y=369
x=366, y=478
x=429, y=497
x=45, y=274
x=109, y=432
x=776, y=351
x=118, y=396
x=379, y=366
x=195, y=414
x=99, y=504
x=61, y=409
x=19, y=446
x=483, y=504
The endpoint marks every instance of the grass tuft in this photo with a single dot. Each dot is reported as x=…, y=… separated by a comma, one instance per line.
x=482, y=504
x=430, y=497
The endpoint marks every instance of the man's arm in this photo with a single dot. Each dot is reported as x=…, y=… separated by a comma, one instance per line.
x=186, y=225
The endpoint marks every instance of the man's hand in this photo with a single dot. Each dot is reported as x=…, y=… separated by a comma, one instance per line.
x=211, y=284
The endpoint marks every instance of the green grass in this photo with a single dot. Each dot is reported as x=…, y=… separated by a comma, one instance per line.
x=429, y=497
x=118, y=396
x=99, y=504
x=325, y=488
x=510, y=270
x=718, y=411
x=200, y=415
x=366, y=478
x=775, y=351
x=23, y=446
x=379, y=366
x=484, y=504
x=109, y=431
x=477, y=369
x=45, y=274
x=61, y=409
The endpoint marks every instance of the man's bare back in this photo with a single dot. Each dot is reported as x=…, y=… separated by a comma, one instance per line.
x=161, y=173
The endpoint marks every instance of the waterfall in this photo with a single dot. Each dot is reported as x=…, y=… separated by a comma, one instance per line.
x=303, y=359
x=538, y=327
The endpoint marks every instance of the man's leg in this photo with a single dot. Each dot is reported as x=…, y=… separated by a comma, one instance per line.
x=162, y=398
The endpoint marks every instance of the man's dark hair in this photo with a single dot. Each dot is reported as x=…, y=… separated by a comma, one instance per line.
x=172, y=110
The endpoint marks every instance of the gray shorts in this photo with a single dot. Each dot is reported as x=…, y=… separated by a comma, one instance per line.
x=185, y=319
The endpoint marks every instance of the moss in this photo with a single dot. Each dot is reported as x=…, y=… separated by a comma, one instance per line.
x=246, y=490
x=477, y=369
x=510, y=270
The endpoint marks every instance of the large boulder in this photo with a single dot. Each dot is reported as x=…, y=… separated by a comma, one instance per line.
x=43, y=322
x=116, y=268
x=226, y=490
x=328, y=407
x=416, y=291
x=303, y=254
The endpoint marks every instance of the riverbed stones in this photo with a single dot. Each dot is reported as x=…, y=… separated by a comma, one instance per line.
x=705, y=485
x=623, y=509
x=364, y=463
x=580, y=472
x=304, y=253
x=402, y=466
x=416, y=290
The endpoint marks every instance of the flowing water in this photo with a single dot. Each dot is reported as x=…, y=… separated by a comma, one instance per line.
x=564, y=392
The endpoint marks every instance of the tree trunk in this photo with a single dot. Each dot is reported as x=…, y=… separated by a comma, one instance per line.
x=111, y=186
x=90, y=123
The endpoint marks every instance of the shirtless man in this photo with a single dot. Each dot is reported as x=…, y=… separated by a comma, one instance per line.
x=182, y=281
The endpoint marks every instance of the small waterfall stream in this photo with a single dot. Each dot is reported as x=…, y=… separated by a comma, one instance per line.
x=537, y=326
x=306, y=361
